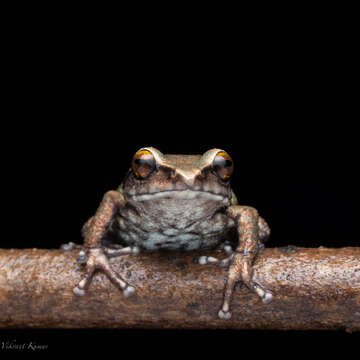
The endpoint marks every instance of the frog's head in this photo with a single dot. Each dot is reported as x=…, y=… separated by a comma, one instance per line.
x=155, y=175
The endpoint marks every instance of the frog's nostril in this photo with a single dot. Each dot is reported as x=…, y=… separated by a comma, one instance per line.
x=187, y=176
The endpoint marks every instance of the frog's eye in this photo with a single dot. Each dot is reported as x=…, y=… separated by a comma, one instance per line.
x=143, y=163
x=223, y=165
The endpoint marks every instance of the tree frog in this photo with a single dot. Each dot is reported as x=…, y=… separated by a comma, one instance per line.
x=176, y=203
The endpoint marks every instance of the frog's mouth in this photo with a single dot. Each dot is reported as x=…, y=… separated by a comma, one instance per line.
x=179, y=194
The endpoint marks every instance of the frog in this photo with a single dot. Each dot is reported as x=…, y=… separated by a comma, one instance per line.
x=176, y=203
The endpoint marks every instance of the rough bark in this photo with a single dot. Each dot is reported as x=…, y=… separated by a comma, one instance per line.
x=314, y=289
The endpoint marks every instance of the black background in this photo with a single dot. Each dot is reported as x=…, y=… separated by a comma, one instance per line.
x=271, y=83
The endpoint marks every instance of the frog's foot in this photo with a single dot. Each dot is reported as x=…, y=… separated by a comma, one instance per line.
x=264, y=294
x=212, y=260
x=240, y=270
x=69, y=246
x=123, y=251
x=96, y=259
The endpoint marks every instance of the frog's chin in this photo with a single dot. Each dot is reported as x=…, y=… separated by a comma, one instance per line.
x=180, y=194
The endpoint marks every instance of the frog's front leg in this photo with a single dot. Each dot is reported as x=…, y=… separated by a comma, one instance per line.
x=96, y=257
x=247, y=223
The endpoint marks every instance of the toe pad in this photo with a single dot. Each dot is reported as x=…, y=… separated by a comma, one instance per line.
x=79, y=292
x=267, y=298
x=129, y=290
x=225, y=315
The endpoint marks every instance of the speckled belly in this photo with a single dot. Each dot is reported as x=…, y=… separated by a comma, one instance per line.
x=182, y=226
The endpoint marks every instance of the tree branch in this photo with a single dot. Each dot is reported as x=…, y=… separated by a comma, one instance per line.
x=314, y=289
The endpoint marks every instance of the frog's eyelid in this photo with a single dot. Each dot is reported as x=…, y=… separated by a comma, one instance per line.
x=208, y=157
x=158, y=155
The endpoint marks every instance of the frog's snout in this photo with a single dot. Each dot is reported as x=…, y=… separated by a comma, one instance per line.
x=188, y=177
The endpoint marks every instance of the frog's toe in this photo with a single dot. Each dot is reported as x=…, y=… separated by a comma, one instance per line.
x=68, y=247
x=207, y=260
x=202, y=260
x=224, y=315
x=82, y=257
x=267, y=297
x=128, y=291
x=228, y=249
x=78, y=291
x=134, y=250
x=97, y=260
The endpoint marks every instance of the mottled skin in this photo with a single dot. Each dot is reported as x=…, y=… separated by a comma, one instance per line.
x=179, y=203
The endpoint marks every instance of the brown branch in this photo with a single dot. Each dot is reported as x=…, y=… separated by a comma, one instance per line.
x=314, y=289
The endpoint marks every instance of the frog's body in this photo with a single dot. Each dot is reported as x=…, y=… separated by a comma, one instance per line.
x=175, y=202
x=182, y=227
x=174, y=220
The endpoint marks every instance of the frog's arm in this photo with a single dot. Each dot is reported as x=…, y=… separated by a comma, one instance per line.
x=264, y=230
x=252, y=230
x=96, y=226
x=247, y=223
x=95, y=256
x=116, y=200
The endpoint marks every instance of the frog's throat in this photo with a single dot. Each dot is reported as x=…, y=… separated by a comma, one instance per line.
x=179, y=194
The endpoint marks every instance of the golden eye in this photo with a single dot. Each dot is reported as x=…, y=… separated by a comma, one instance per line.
x=143, y=163
x=223, y=165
